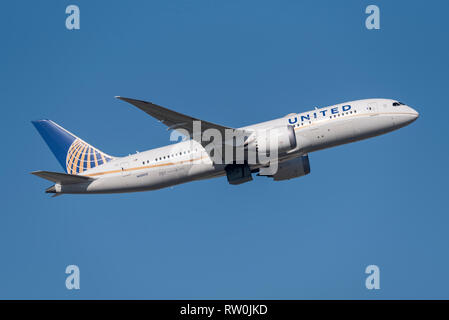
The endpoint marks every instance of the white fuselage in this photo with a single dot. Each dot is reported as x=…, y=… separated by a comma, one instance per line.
x=187, y=161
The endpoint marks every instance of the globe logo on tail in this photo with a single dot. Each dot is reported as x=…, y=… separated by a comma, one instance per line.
x=82, y=156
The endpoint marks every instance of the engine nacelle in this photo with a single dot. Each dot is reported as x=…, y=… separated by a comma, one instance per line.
x=238, y=173
x=289, y=169
x=280, y=140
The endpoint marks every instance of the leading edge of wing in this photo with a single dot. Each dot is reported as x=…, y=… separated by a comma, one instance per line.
x=174, y=119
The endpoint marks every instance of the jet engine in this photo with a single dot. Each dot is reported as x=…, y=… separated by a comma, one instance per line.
x=289, y=169
x=238, y=173
x=280, y=140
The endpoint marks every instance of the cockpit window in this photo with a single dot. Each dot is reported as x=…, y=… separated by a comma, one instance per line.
x=398, y=103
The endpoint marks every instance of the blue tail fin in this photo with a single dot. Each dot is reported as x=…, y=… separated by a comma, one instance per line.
x=74, y=154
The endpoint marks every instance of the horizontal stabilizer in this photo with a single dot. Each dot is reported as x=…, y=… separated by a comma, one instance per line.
x=61, y=178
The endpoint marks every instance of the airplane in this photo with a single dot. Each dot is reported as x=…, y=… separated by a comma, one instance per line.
x=91, y=171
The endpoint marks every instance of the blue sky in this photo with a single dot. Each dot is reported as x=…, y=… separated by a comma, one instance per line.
x=380, y=201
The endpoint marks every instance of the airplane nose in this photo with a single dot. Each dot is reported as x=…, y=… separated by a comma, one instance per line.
x=406, y=116
x=414, y=114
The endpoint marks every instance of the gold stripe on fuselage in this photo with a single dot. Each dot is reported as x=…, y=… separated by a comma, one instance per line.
x=145, y=167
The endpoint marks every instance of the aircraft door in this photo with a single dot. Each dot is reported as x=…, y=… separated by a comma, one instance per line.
x=124, y=166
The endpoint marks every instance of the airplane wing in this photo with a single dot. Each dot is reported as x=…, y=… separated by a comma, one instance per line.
x=175, y=120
